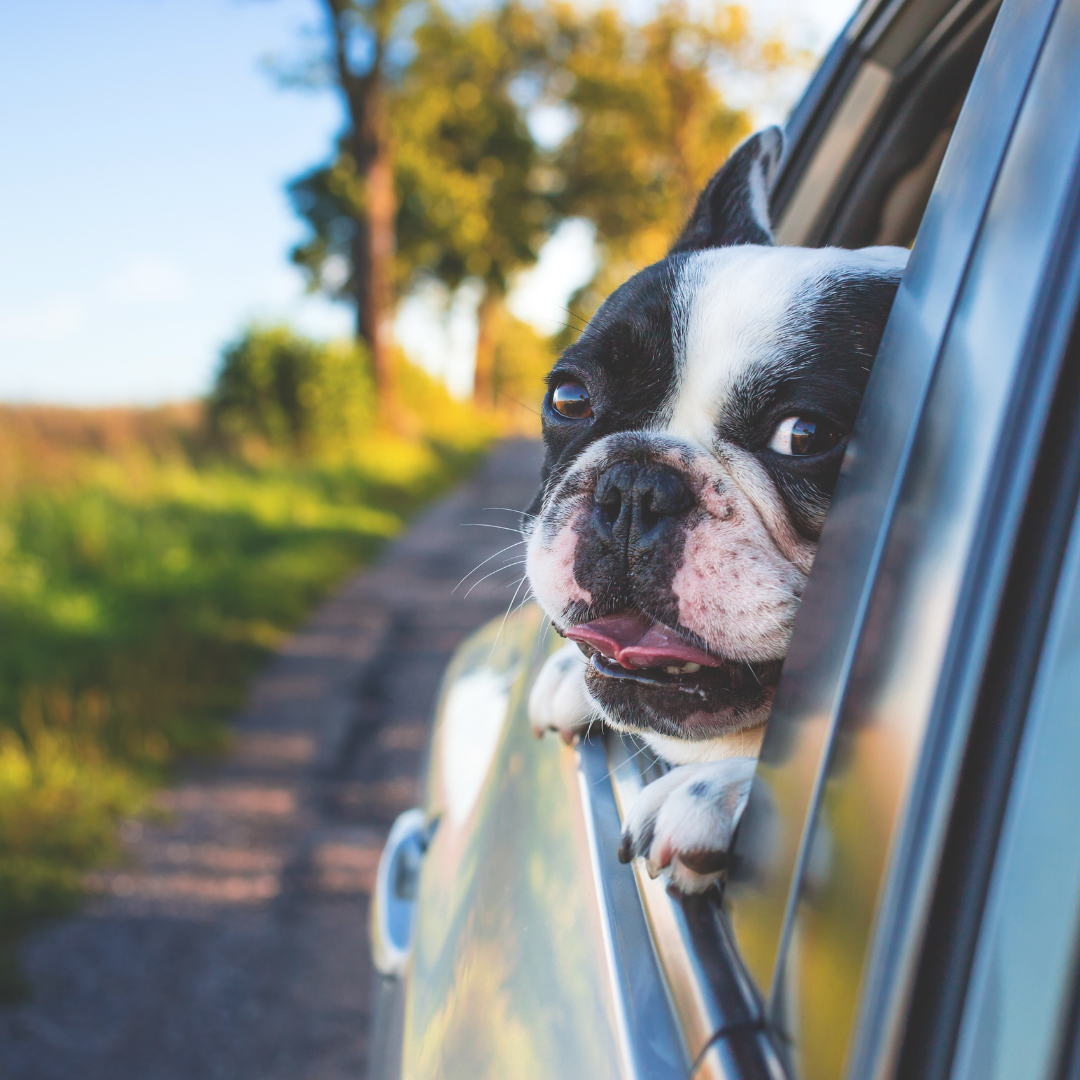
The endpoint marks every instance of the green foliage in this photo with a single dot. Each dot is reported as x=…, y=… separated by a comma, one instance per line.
x=465, y=159
x=289, y=392
x=139, y=591
x=651, y=124
x=477, y=194
x=330, y=200
x=464, y=163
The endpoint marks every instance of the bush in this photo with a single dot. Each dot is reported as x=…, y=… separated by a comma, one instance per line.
x=276, y=390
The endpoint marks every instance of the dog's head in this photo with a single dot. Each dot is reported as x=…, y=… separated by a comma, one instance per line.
x=693, y=437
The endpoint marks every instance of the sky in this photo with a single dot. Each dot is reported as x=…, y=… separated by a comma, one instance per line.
x=143, y=219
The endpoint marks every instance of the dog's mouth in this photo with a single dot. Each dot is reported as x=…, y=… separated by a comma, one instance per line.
x=630, y=646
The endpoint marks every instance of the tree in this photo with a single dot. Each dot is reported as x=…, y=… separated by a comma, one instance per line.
x=464, y=165
x=467, y=164
x=438, y=159
x=651, y=124
x=351, y=203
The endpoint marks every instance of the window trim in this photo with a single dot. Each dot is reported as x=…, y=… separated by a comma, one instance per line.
x=688, y=1006
x=892, y=48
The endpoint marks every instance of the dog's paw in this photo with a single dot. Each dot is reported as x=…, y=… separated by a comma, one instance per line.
x=559, y=701
x=683, y=822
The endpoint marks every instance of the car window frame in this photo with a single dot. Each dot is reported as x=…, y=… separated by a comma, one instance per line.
x=817, y=664
x=991, y=802
x=891, y=992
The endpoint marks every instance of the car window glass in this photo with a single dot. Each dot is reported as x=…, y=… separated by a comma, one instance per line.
x=863, y=174
x=939, y=571
x=799, y=729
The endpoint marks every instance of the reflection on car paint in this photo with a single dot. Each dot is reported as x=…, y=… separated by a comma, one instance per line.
x=508, y=969
x=473, y=714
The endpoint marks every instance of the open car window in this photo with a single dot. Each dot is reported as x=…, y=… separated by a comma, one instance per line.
x=865, y=151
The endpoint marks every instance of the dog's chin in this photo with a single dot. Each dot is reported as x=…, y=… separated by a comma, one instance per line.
x=702, y=704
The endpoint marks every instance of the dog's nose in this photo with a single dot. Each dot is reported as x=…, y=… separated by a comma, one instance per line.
x=637, y=505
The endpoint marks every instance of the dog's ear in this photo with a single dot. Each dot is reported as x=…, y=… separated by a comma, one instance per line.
x=734, y=207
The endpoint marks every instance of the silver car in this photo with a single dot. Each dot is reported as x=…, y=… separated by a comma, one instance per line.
x=904, y=892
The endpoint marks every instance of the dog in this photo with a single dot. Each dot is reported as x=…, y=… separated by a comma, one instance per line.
x=693, y=436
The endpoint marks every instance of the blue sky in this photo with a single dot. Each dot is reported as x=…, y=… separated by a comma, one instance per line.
x=142, y=216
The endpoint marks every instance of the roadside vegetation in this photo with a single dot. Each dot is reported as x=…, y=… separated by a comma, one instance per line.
x=150, y=560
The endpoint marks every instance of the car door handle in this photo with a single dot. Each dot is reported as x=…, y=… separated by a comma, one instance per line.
x=393, y=906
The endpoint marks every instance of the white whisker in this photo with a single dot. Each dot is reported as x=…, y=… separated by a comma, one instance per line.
x=484, y=525
x=498, y=570
x=485, y=561
x=524, y=578
x=522, y=513
x=641, y=750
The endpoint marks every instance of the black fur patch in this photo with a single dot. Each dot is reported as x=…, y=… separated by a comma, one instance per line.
x=831, y=338
x=626, y=360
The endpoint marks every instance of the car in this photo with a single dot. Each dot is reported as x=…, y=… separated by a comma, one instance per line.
x=903, y=894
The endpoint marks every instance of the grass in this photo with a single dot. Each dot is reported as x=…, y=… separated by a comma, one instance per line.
x=142, y=581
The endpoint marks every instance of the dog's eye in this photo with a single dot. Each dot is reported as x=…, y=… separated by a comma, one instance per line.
x=803, y=436
x=571, y=399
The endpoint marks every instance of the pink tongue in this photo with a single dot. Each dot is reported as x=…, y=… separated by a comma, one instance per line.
x=637, y=642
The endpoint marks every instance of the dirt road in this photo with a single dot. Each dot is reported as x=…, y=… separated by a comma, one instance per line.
x=234, y=945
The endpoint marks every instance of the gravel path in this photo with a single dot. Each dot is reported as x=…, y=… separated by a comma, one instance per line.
x=234, y=944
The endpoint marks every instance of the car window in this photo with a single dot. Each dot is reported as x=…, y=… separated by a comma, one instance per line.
x=809, y=694
x=897, y=589
x=862, y=163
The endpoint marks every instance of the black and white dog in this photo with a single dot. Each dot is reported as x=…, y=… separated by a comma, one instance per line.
x=693, y=437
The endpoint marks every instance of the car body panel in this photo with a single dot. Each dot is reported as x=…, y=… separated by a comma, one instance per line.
x=527, y=961
x=508, y=967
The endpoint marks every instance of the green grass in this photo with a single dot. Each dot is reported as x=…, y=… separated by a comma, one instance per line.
x=138, y=594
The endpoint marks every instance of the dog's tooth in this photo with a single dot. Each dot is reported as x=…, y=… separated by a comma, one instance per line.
x=690, y=668
x=674, y=670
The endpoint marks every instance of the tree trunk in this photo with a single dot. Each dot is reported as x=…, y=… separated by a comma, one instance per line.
x=368, y=143
x=361, y=276
x=380, y=292
x=373, y=246
x=488, y=313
